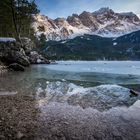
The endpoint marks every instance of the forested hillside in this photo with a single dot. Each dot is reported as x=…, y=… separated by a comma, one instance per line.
x=17, y=39
x=92, y=47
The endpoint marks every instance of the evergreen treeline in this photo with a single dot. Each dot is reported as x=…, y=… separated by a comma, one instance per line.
x=16, y=18
x=92, y=47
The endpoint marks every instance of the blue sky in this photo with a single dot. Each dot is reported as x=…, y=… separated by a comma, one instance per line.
x=64, y=8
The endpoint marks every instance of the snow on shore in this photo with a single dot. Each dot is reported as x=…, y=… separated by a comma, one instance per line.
x=7, y=39
x=112, y=67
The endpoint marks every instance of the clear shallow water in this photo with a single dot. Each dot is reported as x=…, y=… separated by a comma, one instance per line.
x=94, y=84
x=62, y=121
x=95, y=72
x=79, y=103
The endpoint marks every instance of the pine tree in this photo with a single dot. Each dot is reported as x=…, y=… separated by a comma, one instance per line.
x=16, y=17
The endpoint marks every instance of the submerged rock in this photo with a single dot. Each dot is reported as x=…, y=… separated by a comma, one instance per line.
x=76, y=123
x=16, y=67
x=103, y=97
x=133, y=93
x=99, y=97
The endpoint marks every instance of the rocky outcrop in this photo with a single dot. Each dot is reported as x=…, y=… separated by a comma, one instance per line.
x=36, y=58
x=10, y=53
x=18, y=56
x=104, y=22
x=27, y=45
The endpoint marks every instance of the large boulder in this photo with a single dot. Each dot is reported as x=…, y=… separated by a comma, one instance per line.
x=21, y=53
x=11, y=52
x=36, y=58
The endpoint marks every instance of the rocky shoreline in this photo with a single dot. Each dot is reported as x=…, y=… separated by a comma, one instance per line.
x=16, y=56
x=24, y=118
x=3, y=69
x=18, y=117
x=34, y=115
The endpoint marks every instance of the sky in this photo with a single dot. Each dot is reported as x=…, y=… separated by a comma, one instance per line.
x=64, y=8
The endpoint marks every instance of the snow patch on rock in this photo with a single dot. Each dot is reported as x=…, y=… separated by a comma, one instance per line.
x=7, y=39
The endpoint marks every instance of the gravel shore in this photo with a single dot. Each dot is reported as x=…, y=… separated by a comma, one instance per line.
x=18, y=117
x=25, y=118
x=3, y=69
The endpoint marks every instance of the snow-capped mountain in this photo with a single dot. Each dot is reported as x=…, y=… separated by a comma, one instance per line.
x=104, y=22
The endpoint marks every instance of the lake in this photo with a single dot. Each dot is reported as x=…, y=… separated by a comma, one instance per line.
x=60, y=81
x=92, y=96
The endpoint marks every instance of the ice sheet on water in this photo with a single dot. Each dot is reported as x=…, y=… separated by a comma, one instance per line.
x=110, y=67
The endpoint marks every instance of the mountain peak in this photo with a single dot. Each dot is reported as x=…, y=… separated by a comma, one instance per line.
x=104, y=22
x=104, y=10
x=85, y=13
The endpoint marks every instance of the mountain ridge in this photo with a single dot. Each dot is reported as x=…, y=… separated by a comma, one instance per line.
x=104, y=22
x=93, y=47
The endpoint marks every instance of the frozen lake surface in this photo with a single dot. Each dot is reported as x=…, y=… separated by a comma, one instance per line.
x=114, y=67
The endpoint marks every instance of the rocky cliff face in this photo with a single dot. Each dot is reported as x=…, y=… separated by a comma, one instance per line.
x=104, y=22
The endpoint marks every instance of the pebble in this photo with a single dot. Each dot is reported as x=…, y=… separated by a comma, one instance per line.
x=20, y=135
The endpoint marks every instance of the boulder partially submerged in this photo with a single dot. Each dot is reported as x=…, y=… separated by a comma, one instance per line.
x=134, y=93
x=101, y=97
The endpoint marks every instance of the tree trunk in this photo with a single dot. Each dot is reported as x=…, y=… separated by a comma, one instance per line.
x=15, y=23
